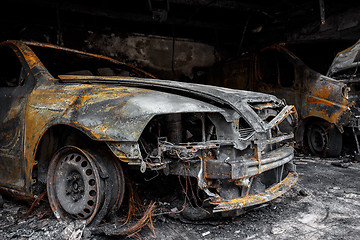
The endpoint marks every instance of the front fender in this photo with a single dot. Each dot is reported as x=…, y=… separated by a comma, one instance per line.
x=325, y=100
x=107, y=113
x=102, y=112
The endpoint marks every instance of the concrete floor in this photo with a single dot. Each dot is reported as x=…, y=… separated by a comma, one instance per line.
x=324, y=204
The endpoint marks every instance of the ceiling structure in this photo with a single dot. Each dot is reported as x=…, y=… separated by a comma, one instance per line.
x=227, y=24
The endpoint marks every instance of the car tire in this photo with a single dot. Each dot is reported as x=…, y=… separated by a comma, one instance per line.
x=324, y=139
x=83, y=184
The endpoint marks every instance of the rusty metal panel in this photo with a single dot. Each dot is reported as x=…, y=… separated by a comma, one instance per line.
x=251, y=200
x=324, y=101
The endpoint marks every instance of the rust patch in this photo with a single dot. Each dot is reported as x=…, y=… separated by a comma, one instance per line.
x=260, y=198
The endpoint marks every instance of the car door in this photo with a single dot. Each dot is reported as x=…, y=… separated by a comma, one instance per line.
x=275, y=74
x=12, y=118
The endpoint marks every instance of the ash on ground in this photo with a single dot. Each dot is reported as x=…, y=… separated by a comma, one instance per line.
x=324, y=204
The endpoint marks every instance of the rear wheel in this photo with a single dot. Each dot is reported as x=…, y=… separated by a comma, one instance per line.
x=324, y=139
x=83, y=185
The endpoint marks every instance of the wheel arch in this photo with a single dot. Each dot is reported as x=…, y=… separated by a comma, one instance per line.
x=300, y=131
x=53, y=138
x=334, y=145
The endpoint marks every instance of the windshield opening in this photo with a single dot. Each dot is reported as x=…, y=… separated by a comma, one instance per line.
x=318, y=55
x=62, y=62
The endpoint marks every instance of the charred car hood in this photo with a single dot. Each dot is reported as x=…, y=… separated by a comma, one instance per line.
x=346, y=59
x=237, y=100
x=104, y=111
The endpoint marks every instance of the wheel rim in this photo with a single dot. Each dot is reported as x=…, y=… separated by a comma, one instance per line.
x=75, y=188
x=317, y=139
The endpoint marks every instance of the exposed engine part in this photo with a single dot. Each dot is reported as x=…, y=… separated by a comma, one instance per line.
x=174, y=128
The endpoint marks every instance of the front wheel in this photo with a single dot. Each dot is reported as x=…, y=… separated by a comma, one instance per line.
x=83, y=185
x=324, y=139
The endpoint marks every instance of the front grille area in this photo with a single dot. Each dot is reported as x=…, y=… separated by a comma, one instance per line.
x=246, y=132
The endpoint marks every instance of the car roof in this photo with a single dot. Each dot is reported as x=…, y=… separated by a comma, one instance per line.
x=19, y=44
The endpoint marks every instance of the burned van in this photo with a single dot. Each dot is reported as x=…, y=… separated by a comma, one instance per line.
x=327, y=104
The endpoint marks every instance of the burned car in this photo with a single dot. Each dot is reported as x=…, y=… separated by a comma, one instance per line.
x=74, y=123
x=326, y=103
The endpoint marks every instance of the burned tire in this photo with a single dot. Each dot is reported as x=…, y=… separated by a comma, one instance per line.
x=83, y=185
x=324, y=139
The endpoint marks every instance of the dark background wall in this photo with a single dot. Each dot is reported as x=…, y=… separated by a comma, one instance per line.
x=179, y=39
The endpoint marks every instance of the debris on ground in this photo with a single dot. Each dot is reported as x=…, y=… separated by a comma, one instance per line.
x=341, y=164
x=123, y=229
x=139, y=216
x=205, y=233
x=277, y=230
x=303, y=192
x=74, y=230
x=324, y=204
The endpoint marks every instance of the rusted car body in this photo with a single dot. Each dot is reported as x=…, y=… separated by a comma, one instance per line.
x=74, y=123
x=327, y=107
